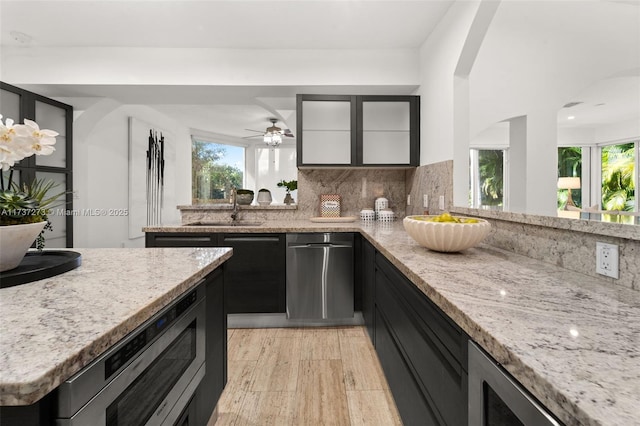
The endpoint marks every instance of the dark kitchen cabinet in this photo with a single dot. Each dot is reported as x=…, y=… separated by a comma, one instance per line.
x=215, y=378
x=255, y=280
x=368, y=286
x=415, y=340
x=358, y=131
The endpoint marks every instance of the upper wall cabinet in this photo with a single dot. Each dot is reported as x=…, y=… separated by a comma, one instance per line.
x=358, y=131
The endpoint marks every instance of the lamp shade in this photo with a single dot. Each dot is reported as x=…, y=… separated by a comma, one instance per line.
x=569, y=183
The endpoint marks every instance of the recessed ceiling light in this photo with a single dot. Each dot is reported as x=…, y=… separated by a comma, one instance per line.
x=20, y=37
x=571, y=117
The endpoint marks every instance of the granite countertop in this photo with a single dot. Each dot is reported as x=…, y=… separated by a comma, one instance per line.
x=571, y=340
x=50, y=329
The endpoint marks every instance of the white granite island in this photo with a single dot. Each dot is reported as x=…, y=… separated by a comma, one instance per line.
x=50, y=329
x=571, y=340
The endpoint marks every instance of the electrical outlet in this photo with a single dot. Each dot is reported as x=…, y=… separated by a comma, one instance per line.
x=441, y=202
x=425, y=201
x=408, y=199
x=607, y=259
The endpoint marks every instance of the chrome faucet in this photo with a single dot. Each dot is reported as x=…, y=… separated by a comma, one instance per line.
x=236, y=208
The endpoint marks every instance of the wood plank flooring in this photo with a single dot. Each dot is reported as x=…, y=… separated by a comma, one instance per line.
x=304, y=376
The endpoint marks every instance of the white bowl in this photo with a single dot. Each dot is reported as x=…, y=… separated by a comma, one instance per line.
x=446, y=236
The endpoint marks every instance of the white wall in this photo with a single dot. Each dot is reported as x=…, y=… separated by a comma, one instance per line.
x=540, y=54
x=439, y=56
x=101, y=175
x=164, y=66
x=618, y=132
x=272, y=166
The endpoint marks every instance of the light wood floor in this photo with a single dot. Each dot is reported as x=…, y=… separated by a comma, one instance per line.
x=304, y=376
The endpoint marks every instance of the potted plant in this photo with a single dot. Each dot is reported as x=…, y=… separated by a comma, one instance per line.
x=23, y=208
x=290, y=185
x=244, y=196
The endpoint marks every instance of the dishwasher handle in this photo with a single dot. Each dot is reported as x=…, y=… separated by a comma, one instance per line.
x=319, y=245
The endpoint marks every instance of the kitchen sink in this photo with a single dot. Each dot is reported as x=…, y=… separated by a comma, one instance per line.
x=240, y=223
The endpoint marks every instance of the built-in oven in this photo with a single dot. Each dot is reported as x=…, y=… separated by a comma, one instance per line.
x=148, y=378
x=496, y=399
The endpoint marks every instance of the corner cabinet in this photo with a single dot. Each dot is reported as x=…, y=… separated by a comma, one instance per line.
x=358, y=131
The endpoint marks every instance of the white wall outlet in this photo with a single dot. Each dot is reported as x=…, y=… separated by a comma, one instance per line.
x=441, y=202
x=607, y=259
x=408, y=199
x=425, y=201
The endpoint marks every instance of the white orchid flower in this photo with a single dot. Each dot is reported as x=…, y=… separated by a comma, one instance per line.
x=7, y=131
x=41, y=140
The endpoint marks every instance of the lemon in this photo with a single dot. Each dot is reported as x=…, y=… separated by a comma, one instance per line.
x=447, y=218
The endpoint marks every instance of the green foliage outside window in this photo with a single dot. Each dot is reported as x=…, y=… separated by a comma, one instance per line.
x=212, y=180
x=490, y=170
x=618, y=177
x=570, y=165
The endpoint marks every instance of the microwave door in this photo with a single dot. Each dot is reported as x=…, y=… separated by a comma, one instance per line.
x=496, y=399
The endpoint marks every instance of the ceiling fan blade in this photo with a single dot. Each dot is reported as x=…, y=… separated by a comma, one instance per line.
x=251, y=130
x=254, y=136
x=288, y=133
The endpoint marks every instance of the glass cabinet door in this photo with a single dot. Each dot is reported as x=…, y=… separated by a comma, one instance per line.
x=386, y=131
x=326, y=131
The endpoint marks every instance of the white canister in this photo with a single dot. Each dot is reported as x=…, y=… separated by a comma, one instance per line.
x=380, y=204
x=386, y=215
x=367, y=215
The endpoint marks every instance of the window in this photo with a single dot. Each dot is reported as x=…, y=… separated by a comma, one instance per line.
x=570, y=165
x=619, y=177
x=216, y=168
x=487, y=178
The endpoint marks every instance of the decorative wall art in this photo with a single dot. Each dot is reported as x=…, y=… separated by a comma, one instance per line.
x=151, y=162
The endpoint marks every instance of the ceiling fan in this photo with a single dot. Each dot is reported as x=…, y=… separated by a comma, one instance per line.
x=272, y=136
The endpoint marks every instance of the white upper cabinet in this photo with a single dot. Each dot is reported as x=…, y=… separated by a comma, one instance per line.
x=358, y=131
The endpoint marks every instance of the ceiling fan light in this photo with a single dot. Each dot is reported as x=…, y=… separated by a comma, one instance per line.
x=276, y=139
x=267, y=138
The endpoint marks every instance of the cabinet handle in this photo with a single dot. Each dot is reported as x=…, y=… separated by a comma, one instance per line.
x=253, y=239
x=186, y=239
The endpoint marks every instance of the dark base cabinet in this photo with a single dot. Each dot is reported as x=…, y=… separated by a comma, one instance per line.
x=423, y=353
x=215, y=378
x=256, y=273
x=367, y=256
x=255, y=280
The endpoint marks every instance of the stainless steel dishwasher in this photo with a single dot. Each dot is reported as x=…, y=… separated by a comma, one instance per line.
x=320, y=276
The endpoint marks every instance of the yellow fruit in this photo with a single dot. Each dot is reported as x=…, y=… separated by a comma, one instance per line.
x=447, y=218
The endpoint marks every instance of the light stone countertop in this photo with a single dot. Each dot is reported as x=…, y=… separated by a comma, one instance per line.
x=569, y=339
x=51, y=328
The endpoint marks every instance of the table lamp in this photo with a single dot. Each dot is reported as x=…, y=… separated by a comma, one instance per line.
x=569, y=183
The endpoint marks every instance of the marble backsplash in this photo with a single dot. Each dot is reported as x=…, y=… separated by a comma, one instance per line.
x=433, y=180
x=572, y=248
x=358, y=189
